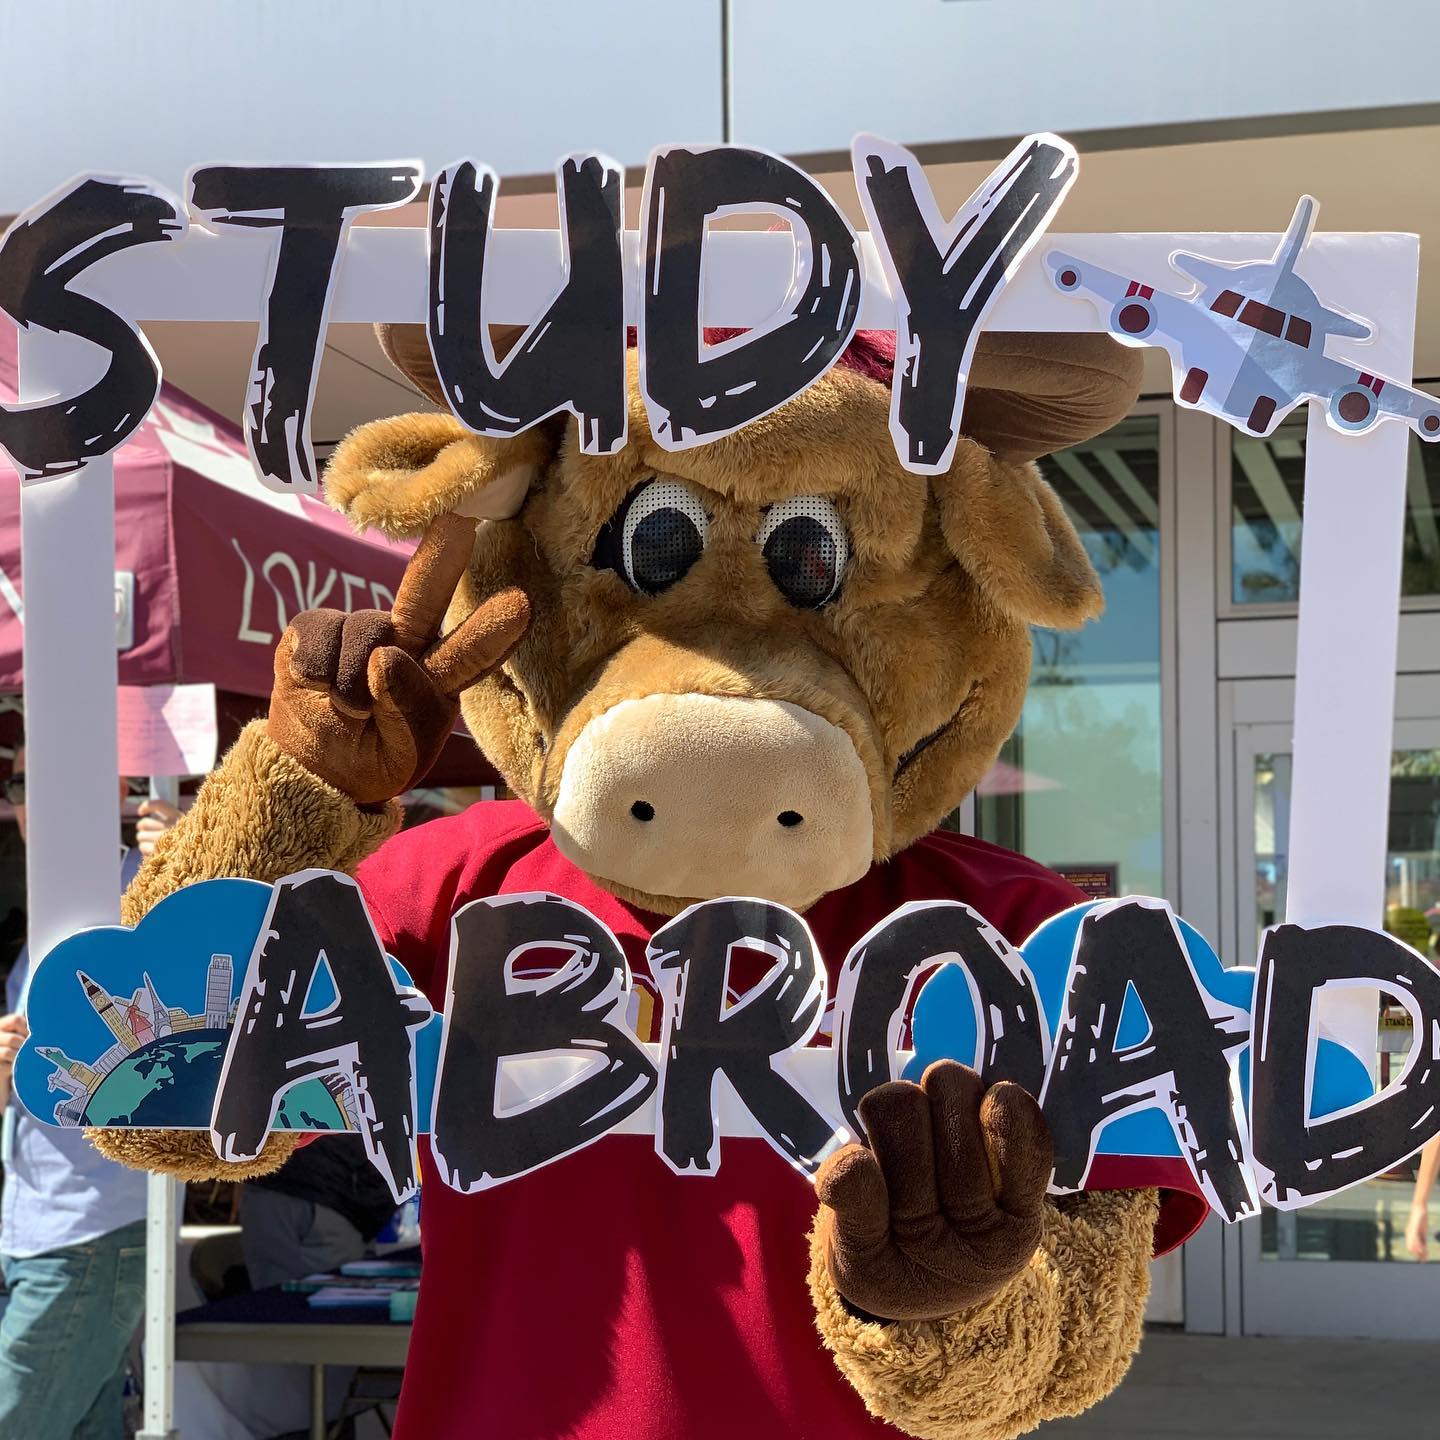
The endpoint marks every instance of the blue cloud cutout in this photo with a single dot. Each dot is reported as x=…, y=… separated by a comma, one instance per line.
x=945, y=1027
x=140, y=1040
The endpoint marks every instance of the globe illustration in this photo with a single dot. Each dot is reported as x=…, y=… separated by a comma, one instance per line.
x=171, y=1082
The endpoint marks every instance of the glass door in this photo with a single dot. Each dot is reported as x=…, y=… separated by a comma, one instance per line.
x=1342, y=1267
x=1081, y=785
x=1086, y=783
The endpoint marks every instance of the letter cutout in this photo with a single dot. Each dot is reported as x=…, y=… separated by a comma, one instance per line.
x=880, y=978
x=494, y=1013
x=573, y=357
x=746, y=1042
x=693, y=397
x=312, y=206
x=946, y=277
x=365, y=1036
x=48, y=247
x=1299, y=1157
x=1184, y=1065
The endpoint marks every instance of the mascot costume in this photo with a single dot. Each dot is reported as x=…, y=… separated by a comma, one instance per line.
x=769, y=666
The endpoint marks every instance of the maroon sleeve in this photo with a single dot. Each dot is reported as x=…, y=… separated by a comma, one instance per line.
x=1044, y=896
x=416, y=881
x=409, y=890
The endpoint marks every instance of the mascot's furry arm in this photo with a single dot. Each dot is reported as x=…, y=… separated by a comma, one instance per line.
x=1001, y=1307
x=364, y=700
x=262, y=815
x=1053, y=1341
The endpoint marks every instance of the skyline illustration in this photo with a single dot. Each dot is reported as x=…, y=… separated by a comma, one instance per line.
x=131, y=1027
x=135, y=1023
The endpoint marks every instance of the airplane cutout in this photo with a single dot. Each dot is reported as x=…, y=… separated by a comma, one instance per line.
x=1248, y=344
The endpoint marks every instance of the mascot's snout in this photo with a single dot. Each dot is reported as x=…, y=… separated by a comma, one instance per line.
x=704, y=795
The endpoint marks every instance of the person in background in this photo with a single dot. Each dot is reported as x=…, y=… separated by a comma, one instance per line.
x=72, y=1237
x=319, y=1210
x=156, y=817
x=1417, y=1230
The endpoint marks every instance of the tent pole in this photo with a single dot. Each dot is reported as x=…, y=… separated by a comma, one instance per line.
x=161, y=1228
x=72, y=764
x=160, y=1216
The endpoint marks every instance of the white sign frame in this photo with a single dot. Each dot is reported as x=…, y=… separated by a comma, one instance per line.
x=1348, y=614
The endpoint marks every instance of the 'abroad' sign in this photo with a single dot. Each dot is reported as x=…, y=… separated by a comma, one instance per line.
x=242, y=1008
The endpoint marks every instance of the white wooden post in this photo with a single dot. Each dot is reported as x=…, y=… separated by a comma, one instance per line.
x=72, y=763
x=67, y=560
x=162, y=1199
x=1350, y=556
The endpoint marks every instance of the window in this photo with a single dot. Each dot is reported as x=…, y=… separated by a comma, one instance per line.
x=1262, y=317
x=1297, y=332
x=1368, y=1222
x=1266, y=504
x=1078, y=786
x=1226, y=303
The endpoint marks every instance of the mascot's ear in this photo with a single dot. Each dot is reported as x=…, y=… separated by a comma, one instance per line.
x=1007, y=528
x=1030, y=395
x=397, y=475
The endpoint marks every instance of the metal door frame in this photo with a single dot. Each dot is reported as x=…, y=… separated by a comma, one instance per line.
x=1371, y=1298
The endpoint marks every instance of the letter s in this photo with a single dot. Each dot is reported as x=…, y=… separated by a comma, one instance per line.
x=48, y=247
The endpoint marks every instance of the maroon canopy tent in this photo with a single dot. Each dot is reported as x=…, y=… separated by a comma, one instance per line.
x=210, y=566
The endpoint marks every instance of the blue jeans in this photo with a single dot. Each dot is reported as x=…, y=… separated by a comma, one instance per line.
x=64, y=1334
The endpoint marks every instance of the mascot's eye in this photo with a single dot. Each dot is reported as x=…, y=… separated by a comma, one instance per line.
x=654, y=537
x=805, y=546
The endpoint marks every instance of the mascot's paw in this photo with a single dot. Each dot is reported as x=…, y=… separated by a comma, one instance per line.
x=366, y=700
x=945, y=1204
x=188, y=1154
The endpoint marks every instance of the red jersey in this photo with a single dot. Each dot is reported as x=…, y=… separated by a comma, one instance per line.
x=604, y=1296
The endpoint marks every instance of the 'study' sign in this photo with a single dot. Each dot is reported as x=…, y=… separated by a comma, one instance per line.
x=573, y=357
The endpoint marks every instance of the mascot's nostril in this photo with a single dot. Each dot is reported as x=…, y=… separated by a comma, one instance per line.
x=643, y=810
x=789, y=818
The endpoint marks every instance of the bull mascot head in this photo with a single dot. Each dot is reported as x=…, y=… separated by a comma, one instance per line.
x=761, y=665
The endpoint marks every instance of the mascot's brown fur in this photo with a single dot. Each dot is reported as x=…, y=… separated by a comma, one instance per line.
x=709, y=733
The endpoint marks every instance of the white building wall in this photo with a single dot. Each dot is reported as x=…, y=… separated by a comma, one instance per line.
x=155, y=86
x=810, y=73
